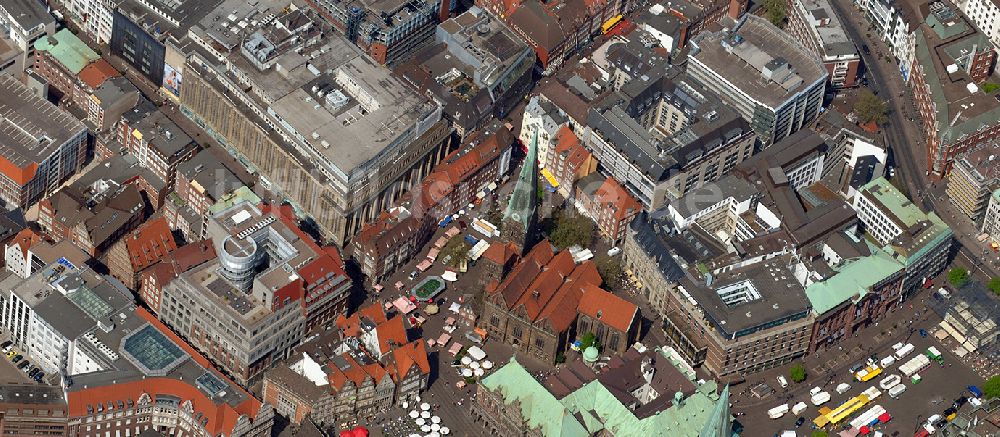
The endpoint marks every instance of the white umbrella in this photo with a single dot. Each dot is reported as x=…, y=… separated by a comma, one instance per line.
x=426, y=414
x=479, y=372
x=425, y=406
x=435, y=427
x=466, y=360
x=487, y=364
x=445, y=430
x=474, y=365
x=414, y=414
x=466, y=372
x=406, y=405
x=434, y=434
x=420, y=421
x=425, y=428
x=436, y=419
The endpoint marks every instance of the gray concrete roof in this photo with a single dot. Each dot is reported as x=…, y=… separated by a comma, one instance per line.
x=31, y=128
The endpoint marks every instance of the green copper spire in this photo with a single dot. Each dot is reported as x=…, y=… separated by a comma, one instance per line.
x=521, y=207
x=720, y=422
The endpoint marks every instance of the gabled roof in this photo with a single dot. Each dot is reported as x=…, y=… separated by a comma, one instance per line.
x=150, y=243
x=609, y=309
x=24, y=240
x=95, y=73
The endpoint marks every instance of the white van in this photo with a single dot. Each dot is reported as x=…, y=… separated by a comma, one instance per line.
x=782, y=381
x=843, y=388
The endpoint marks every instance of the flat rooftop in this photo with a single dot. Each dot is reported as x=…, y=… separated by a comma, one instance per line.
x=31, y=128
x=171, y=16
x=27, y=13
x=826, y=25
x=378, y=109
x=962, y=107
x=746, y=54
x=744, y=300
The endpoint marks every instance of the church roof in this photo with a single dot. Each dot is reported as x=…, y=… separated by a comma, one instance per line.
x=521, y=206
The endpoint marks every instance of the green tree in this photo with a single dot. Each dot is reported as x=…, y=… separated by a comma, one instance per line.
x=572, y=230
x=994, y=285
x=776, y=11
x=990, y=87
x=819, y=433
x=797, y=373
x=610, y=268
x=870, y=108
x=458, y=249
x=991, y=388
x=587, y=340
x=958, y=277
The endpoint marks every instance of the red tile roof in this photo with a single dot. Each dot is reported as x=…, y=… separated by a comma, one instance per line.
x=222, y=417
x=95, y=73
x=24, y=240
x=409, y=355
x=612, y=196
x=20, y=175
x=149, y=243
x=393, y=331
x=553, y=289
x=352, y=325
x=611, y=310
x=501, y=253
x=181, y=260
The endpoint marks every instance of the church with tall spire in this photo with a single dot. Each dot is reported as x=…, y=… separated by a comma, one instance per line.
x=521, y=215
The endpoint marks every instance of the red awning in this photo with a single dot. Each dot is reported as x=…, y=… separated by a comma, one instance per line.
x=884, y=418
x=865, y=430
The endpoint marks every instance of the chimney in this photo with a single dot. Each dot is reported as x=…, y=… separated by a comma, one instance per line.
x=444, y=10
x=736, y=8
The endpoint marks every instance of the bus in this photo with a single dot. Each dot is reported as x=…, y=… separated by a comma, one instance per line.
x=610, y=24
x=868, y=373
x=845, y=410
x=934, y=354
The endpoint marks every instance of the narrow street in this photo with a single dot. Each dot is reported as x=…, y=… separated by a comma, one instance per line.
x=908, y=144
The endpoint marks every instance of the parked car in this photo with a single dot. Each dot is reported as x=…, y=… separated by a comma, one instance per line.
x=923, y=333
x=856, y=367
x=32, y=372
x=17, y=358
x=800, y=421
x=975, y=391
x=39, y=376
x=5, y=346
x=960, y=401
x=782, y=381
x=11, y=353
x=866, y=49
x=413, y=275
x=23, y=364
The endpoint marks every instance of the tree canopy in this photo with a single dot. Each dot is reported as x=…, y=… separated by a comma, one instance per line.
x=797, y=372
x=776, y=11
x=994, y=285
x=870, y=108
x=958, y=277
x=991, y=388
x=458, y=249
x=610, y=269
x=571, y=230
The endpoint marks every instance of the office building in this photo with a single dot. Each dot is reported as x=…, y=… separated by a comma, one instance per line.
x=157, y=142
x=388, y=32
x=984, y=15
x=771, y=80
x=951, y=60
x=94, y=17
x=815, y=24
x=920, y=241
x=974, y=176
x=45, y=145
x=991, y=217
x=32, y=410
x=314, y=138
x=476, y=67
x=140, y=249
x=136, y=376
x=269, y=285
x=22, y=22
x=896, y=24
x=665, y=136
